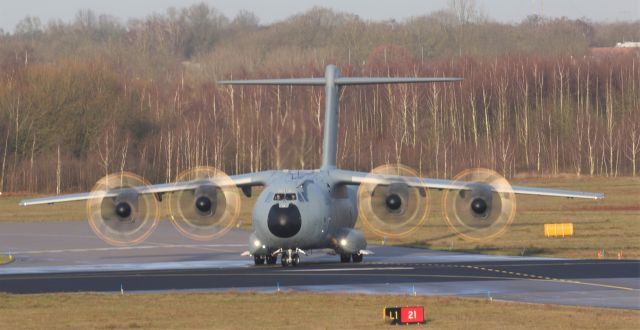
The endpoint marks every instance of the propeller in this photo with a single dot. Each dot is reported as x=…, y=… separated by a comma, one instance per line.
x=118, y=214
x=484, y=210
x=393, y=210
x=208, y=211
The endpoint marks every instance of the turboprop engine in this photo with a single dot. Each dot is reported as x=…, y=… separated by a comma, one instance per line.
x=390, y=207
x=484, y=208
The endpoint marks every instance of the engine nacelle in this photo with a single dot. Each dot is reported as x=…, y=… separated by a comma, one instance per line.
x=482, y=208
x=209, y=210
x=205, y=199
x=122, y=208
x=393, y=204
x=124, y=219
x=479, y=199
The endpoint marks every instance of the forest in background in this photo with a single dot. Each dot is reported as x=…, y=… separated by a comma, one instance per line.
x=93, y=96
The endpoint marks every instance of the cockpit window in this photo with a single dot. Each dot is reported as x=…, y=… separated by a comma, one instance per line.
x=281, y=197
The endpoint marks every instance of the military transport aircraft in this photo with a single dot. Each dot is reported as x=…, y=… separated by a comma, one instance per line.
x=303, y=210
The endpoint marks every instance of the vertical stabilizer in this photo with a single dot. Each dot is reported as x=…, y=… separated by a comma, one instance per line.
x=330, y=139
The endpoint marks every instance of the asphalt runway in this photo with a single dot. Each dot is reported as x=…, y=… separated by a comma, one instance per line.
x=66, y=257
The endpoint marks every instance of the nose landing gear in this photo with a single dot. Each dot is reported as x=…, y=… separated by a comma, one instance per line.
x=290, y=257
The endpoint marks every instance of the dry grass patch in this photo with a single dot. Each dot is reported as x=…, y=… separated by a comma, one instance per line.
x=289, y=311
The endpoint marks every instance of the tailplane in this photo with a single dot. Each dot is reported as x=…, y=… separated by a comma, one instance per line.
x=332, y=82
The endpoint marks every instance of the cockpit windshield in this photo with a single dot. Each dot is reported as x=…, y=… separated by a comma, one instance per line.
x=282, y=197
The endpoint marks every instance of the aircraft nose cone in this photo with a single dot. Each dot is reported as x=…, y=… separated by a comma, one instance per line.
x=284, y=222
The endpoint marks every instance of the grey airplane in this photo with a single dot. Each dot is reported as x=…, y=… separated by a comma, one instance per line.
x=301, y=210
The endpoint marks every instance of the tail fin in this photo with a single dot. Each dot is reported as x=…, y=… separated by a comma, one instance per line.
x=332, y=82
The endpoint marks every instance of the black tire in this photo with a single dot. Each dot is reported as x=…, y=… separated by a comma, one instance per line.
x=345, y=258
x=272, y=260
x=283, y=260
x=295, y=260
x=258, y=260
x=357, y=257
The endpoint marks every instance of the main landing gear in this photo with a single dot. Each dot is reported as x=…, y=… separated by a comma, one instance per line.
x=260, y=260
x=344, y=258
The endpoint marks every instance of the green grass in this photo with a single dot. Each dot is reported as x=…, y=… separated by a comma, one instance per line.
x=289, y=311
x=612, y=224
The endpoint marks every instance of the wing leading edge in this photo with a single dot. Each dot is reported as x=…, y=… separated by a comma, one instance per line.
x=356, y=178
x=242, y=180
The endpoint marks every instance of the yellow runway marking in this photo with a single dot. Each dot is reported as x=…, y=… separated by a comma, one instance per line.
x=550, y=279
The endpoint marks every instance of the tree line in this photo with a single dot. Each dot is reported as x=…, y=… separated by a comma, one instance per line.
x=93, y=96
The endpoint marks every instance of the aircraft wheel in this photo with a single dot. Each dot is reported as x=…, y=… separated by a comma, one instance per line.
x=295, y=260
x=283, y=260
x=357, y=257
x=345, y=258
x=258, y=260
x=272, y=260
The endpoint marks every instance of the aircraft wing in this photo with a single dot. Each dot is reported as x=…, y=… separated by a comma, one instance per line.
x=356, y=178
x=242, y=180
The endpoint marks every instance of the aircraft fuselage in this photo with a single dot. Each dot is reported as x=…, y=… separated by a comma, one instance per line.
x=305, y=210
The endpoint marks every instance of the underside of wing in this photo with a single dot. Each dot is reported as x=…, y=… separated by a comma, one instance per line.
x=242, y=180
x=357, y=178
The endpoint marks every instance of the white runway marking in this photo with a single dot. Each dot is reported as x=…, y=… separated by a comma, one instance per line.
x=347, y=269
x=127, y=267
x=124, y=248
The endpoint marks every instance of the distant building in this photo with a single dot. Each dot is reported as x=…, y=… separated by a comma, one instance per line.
x=628, y=44
x=621, y=48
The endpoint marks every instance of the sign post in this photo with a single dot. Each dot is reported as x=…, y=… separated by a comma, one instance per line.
x=405, y=315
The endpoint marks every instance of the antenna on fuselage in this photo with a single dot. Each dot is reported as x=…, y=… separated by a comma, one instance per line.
x=332, y=83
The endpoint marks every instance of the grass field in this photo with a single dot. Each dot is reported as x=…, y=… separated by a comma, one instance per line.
x=612, y=224
x=289, y=311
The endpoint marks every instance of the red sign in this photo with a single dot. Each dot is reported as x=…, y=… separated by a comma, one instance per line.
x=414, y=314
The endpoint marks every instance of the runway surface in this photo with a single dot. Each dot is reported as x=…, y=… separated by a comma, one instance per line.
x=66, y=257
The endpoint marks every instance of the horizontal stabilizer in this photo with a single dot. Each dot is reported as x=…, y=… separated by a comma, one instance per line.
x=391, y=80
x=292, y=81
x=340, y=81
